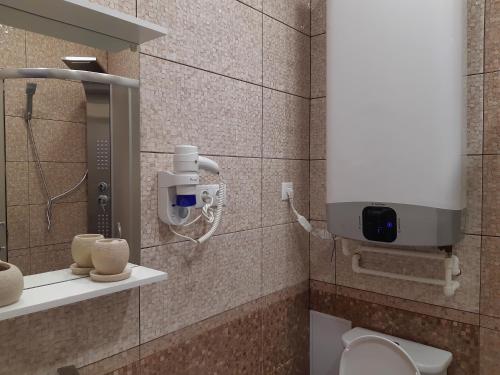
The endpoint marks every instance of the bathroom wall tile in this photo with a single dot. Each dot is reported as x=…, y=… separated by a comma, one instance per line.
x=461, y=339
x=124, y=63
x=490, y=322
x=223, y=37
x=474, y=193
x=274, y=172
x=491, y=195
x=285, y=257
x=407, y=304
x=203, y=281
x=492, y=30
x=125, y=6
x=286, y=126
x=60, y=178
x=59, y=141
x=18, y=227
x=492, y=113
x=112, y=324
x=257, y=4
x=318, y=66
x=14, y=353
x=475, y=36
x=229, y=343
x=16, y=140
x=286, y=58
x=322, y=257
x=15, y=55
x=50, y=257
x=317, y=191
x=21, y=258
x=475, y=114
x=490, y=360
x=243, y=197
x=285, y=327
x=53, y=100
x=490, y=277
x=318, y=129
x=46, y=52
x=16, y=176
x=68, y=219
x=318, y=17
x=294, y=13
x=114, y=363
x=182, y=105
x=466, y=297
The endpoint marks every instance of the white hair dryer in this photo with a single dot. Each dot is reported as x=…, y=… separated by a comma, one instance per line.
x=180, y=191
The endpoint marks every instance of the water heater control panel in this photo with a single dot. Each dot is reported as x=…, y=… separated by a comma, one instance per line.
x=379, y=224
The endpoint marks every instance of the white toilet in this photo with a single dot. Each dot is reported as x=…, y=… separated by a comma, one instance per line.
x=369, y=352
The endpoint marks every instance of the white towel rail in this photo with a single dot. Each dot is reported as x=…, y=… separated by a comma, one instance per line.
x=451, y=266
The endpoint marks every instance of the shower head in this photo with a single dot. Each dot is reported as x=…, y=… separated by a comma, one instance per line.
x=30, y=91
x=89, y=64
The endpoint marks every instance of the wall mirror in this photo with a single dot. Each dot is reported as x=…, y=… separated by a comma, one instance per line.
x=69, y=158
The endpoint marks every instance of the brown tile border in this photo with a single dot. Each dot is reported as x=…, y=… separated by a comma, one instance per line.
x=490, y=322
x=399, y=303
x=111, y=364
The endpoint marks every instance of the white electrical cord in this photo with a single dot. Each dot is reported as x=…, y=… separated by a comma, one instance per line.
x=319, y=233
x=207, y=212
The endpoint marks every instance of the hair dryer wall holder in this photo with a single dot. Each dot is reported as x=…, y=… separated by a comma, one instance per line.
x=168, y=211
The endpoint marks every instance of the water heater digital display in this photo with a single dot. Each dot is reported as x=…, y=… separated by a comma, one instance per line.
x=379, y=224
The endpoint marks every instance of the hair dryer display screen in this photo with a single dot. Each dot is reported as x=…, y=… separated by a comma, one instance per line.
x=380, y=224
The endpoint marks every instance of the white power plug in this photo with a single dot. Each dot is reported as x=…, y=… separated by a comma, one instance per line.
x=286, y=190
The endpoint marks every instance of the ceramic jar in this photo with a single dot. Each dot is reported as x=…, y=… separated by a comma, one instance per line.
x=81, y=248
x=110, y=256
x=11, y=283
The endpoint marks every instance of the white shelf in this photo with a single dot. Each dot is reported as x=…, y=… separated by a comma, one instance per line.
x=53, y=289
x=79, y=21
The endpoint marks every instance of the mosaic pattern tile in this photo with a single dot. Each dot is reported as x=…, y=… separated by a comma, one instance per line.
x=474, y=169
x=492, y=30
x=491, y=195
x=475, y=36
x=318, y=129
x=286, y=126
x=490, y=277
x=318, y=16
x=223, y=37
x=475, y=114
x=317, y=193
x=490, y=360
x=318, y=66
x=295, y=13
x=286, y=59
x=203, y=281
x=492, y=113
x=182, y=105
x=285, y=257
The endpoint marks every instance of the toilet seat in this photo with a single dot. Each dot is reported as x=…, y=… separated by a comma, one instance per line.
x=376, y=356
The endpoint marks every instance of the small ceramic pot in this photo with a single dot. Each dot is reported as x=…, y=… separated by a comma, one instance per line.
x=81, y=248
x=11, y=284
x=110, y=256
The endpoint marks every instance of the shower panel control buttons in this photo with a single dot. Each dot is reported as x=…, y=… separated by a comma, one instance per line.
x=380, y=224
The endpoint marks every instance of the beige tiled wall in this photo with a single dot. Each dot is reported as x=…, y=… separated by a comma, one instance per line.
x=232, y=77
x=479, y=251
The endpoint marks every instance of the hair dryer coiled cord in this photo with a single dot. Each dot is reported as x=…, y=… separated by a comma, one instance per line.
x=210, y=216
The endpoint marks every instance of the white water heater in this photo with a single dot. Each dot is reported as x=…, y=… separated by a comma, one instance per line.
x=396, y=120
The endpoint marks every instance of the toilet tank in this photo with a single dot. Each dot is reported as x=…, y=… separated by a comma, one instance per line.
x=429, y=360
x=396, y=120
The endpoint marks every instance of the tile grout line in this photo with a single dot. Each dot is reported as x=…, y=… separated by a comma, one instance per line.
x=222, y=75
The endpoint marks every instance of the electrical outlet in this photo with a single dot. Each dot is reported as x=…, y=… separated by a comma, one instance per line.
x=285, y=187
